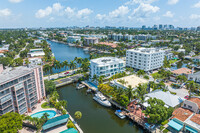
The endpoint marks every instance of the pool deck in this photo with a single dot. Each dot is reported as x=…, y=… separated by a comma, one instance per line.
x=39, y=108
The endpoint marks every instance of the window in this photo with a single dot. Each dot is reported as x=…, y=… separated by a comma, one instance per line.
x=190, y=107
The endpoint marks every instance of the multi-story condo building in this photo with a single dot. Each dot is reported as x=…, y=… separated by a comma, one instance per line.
x=73, y=39
x=21, y=88
x=144, y=37
x=146, y=59
x=91, y=40
x=106, y=66
x=120, y=37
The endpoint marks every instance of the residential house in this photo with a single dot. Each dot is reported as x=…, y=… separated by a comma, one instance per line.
x=180, y=71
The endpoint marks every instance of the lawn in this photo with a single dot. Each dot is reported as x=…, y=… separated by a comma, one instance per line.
x=156, y=75
x=172, y=61
x=46, y=105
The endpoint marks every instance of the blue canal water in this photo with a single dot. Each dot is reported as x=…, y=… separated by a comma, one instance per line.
x=95, y=118
x=64, y=52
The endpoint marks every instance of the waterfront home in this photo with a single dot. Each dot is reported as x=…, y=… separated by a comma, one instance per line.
x=131, y=80
x=21, y=88
x=196, y=58
x=146, y=59
x=195, y=77
x=181, y=71
x=192, y=104
x=169, y=99
x=106, y=66
x=184, y=120
x=73, y=39
x=113, y=45
x=35, y=53
x=35, y=60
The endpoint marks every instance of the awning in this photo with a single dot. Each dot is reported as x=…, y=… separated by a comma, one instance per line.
x=191, y=129
x=176, y=125
x=70, y=130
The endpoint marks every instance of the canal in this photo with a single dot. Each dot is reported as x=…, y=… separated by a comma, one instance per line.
x=96, y=118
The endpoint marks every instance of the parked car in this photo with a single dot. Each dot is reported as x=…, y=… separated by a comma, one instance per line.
x=186, y=97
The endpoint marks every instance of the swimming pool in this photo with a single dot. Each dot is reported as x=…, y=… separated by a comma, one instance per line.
x=51, y=113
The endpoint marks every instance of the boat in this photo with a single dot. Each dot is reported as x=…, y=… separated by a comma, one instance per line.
x=89, y=90
x=100, y=98
x=120, y=114
x=80, y=86
x=71, y=44
x=86, y=49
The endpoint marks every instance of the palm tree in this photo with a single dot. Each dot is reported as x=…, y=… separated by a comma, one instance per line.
x=100, y=79
x=94, y=78
x=190, y=85
x=129, y=92
x=72, y=65
x=47, y=69
x=65, y=64
x=79, y=60
x=57, y=65
x=45, y=115
x=78, y=115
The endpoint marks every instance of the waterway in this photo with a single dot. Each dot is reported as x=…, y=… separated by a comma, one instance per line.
x=96, y=118
x=64, y=52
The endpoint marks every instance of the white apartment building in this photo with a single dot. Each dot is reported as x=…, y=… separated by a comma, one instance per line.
x=106, y=66
x=146, y=59
x=91, y=40
x=73, y=39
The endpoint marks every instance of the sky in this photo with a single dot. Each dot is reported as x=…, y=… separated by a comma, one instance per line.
x=130, y=13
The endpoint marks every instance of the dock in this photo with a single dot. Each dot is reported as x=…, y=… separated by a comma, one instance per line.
x=67, y=80
x=90, y=86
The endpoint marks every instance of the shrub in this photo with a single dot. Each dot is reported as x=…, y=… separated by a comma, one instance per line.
x=164, y=122
x=64, y=111
x=146, y=77
x=161, y=128
x=70, y=124
x=165, y=131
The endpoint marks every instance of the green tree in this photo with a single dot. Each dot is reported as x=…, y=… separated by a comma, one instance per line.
x=50, y=86
x=10, y=122
x=166, y=63
x=78, y=115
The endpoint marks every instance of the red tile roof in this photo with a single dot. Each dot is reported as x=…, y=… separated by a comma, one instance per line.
x=196, y=118
x=113, y=45
x=182, y=114
x=182, y=71
x=195, y=100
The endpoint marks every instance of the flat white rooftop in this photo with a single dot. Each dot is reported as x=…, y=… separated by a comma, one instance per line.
x=132, y=80
x=106, y=60
x=146, y=50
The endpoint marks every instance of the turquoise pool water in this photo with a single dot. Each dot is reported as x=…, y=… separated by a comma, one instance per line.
x=51, y=113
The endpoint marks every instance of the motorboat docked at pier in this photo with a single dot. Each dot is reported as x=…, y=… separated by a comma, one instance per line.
x=100, y=98
x=80, y=86
x=120, y=114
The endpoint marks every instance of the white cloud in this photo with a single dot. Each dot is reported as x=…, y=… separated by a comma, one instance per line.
x=144, y=10
x=195, y=16
x=197, y=5
x=57, y=7
x=15, y=1
x=168, y=14
x=43, y=12
x=172, y=2
x=5, y=12
x=100, y=16
x=133, y=2
x=84, y=13
x=119, y=12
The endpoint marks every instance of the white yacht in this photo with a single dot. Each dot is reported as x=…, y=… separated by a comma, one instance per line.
x=119, y=114
x=100, y=98
x=80, y=86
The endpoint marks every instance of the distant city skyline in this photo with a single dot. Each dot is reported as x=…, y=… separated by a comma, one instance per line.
x=128, y=13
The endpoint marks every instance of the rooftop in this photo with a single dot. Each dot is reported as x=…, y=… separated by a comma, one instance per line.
x=107, y=60
x=11, y=73
x=146, y=50
x=196, y=57
x=196, y=118
x=182, y=71
x=182, y=114
x=132, y=80
x=169, y=99
x=113, y=45
x=195, y=100
x=70, y=130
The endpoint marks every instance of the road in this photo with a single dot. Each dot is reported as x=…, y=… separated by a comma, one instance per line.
x=17, y=56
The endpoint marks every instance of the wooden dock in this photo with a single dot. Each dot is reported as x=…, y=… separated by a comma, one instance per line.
x=89, y=86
